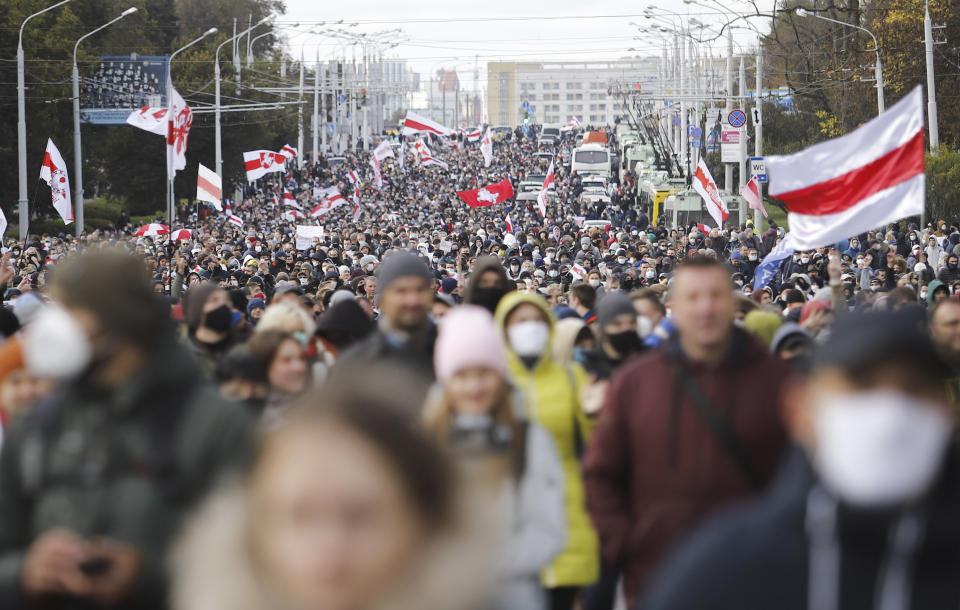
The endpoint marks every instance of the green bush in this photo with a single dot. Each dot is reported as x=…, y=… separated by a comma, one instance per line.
x=108, y=209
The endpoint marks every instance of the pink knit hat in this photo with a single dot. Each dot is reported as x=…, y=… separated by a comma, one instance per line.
x=468, y=337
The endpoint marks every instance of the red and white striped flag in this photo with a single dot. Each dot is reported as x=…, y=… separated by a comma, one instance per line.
x=330, y=199
x=149, y=119
x=179, y=120
x=54, y=173
x=289, y=200
x=357, y=210
x=544, y=196
x=209, y=187
x=289, y=151
x=751, y=194
x=857, y=182
x=428, y=160
x=414, y=123
x=377, y=176
x=259, y=163
x=292, y=215
x=382, y=151
x=705, y=186
x=509, y=224
x=474, y=134
x=235, y=220
x=486, y=148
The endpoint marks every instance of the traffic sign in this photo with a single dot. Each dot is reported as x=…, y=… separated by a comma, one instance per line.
x=331, y=128
x=737, y=118
x=758, y=168
x=676, y=121
x=694, y=143
x=694, y=132
x=757, y=116
x=526, y=105
x=341, y=98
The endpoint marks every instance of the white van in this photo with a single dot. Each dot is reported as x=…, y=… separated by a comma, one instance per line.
x=591, y=159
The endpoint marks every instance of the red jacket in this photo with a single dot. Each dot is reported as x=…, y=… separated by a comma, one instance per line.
x=655, y=468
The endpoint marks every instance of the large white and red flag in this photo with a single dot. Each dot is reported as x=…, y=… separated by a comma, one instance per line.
x=330, y=198
x=355, y=181
x=486, y=147
x=857, y=182
x=235, y=220
x=509, y=224
x=54, y=173
x=487, y=195
x=382, y=151
x=179, y=120
x=751, y=194
x=544, y=196
x=289, y=151
x=149, y=119
x=259, y=163
x=290, y=200
x=377, y=176
x=209, y=187
x=705, y=186
x=414, y=123
x=474, y=135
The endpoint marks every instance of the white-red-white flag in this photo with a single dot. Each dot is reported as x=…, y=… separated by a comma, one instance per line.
x=209, y=187
x=377, y=176
x=54, y=173
x=259, y=163
x=509, y=224
x=292, y=215
x=3, y=222
x=179, y=120
x=414, y=123
x=705, y=186
x=382, y=151
x=852, y=184
x=474, y=134
x=330, y=198
x=290, y=200
x=751, y=194
x=235, y=220
x=357, y=210
x=544, y=196
x=486, y=147
x=289, y=151
x=149, y=119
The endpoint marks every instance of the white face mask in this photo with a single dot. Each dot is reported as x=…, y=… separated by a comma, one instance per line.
x=594, y=283
x=879, y=448
x=529, y=338
x=650, y=274
x=644, y=326
x=55, y=346
x=621, y=260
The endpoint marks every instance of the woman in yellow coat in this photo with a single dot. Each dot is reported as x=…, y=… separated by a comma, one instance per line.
x=551, y=396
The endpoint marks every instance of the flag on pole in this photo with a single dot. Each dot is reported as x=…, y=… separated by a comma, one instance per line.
x=428, y=160
x=258, y=163
x=382, y=151
x=509, y=224
x=235, y=220
x=707, y=189
x=544, y=197
x=474, y=134
x=149, y=119
x=486, y=147
x=289, y=151
x=377, y=176
x=751, y=194
x=487, y=195
x=857, y=182
x=54, y=173
x=3, y=222
x=292, y=215
x=414, y=123
x=209, y=187
x=355, y=180
x=179, y=120
x=289, y=200
x=771, y=262
x=357, y=210
x=330, y=199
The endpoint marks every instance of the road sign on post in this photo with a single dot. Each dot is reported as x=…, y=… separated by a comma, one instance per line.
x=758, y=168
x=757, y=116
x=737, y=118
x=730, y=145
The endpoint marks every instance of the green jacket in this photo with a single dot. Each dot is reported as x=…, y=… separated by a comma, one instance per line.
x=125, y=465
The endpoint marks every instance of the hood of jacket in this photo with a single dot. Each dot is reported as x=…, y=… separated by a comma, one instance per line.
x=932, y=287
x=510, y=302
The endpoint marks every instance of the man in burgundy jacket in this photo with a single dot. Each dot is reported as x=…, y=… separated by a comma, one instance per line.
x=656, y=466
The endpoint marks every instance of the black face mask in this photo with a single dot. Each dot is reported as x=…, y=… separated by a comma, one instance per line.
x=488, y=298
x=219, y=319
x=626, y=343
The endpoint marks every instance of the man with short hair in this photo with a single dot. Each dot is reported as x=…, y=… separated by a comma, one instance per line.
x=582, y=299
x=944, y=317
x=676, y=439
x=405, y=334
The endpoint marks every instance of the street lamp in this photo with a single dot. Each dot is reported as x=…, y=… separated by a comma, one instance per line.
x=216, y=78
x=878, y=68
x=170, y=205
x=77, y=156
x=22, y=126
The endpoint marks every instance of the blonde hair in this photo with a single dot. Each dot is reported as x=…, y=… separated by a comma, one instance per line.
x=287, y=316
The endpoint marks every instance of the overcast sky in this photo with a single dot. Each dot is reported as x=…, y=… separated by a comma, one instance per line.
x=451, y=34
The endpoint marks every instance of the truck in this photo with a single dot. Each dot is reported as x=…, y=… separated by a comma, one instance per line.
x=591, y=159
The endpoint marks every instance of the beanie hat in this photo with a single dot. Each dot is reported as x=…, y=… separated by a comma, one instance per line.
x=255, y=304
x=448, y=285
x=468, y=337
x=402, y=264
x=611, y=306
x=762, y=325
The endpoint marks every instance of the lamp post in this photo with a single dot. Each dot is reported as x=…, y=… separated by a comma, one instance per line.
x=170, y=174
x=878, y=67
x=22, y=127
x=77, y=155
x=216, y=77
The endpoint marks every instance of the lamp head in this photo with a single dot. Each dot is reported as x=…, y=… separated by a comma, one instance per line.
x=129, y=11
x=802, y=12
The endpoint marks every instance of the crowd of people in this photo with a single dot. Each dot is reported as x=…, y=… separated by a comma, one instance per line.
x=439, y=406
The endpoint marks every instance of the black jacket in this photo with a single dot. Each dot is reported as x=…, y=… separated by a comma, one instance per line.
x=758, y=555
x=415, y=355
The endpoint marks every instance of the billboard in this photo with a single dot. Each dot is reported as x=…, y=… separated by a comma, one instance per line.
x=118, y=85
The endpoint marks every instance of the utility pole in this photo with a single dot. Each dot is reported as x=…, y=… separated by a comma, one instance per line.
x=430, y=99
x=728, y=167
x=443, y=94
x=316, y=103
x=743, y=133
x=758, y=143
x=300, y=118
x=324, y=84
x=931, y=86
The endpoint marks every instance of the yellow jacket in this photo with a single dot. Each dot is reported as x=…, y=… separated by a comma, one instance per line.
x=551, y=401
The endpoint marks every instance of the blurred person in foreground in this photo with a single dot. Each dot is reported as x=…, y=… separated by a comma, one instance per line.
x=863, y=513
x=677, y=436
x=472, y=413
x=551, y=393
x=944, y=317
x=377, y=529
x=95, y=478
